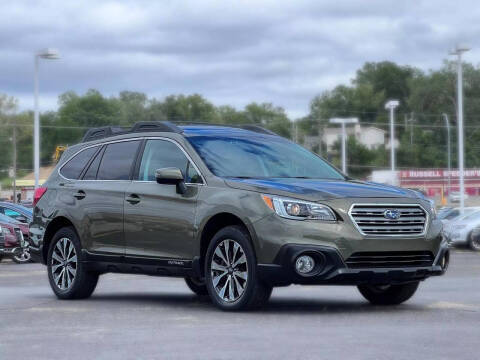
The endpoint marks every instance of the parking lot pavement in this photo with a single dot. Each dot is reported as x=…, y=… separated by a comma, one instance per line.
x=141, y=317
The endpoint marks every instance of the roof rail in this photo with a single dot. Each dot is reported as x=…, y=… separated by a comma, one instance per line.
x=166, y=126
x=102, y=132
x=141, y=126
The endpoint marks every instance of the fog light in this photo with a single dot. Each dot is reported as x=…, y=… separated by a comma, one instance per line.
x=304, y=264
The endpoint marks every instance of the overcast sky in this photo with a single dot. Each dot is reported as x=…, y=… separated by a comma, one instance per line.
x=231, y=51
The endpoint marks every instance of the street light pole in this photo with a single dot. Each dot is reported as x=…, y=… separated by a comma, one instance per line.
x=36, y=128
x=391, y=105
x=447, y=123
x=49, y=54
x=343, y=122
x=459, y=50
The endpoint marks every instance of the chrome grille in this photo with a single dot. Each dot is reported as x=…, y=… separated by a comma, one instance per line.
x=390, y=259
x=371, y=219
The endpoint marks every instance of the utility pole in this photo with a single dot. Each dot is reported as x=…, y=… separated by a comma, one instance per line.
x=447, y=123
x=459, y=50
x=411, y=120
x=14, y=141
x=344, y=121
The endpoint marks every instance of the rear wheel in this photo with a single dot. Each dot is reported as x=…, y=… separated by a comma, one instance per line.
x=230, y=271
x=388, y=294
x=67, y=274
x=22, y=258
x=197, y=285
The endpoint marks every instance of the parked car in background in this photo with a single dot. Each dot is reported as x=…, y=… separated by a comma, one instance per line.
x=447, y=214
x=460, y=230
x=13, y=225
x=17, y=212
x=454, y=196
x=12, y=243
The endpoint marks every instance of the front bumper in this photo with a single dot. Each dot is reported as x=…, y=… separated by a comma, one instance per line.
x=334, y=271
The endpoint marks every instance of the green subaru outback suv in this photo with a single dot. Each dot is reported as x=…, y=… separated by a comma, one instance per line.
x=236, y=211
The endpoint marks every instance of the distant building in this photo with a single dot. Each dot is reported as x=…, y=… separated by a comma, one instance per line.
x=369, y=136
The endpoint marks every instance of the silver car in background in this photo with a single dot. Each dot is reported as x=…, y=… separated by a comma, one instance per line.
x=460, y=230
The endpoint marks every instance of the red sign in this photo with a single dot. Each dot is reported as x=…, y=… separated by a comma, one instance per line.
x=438, y=174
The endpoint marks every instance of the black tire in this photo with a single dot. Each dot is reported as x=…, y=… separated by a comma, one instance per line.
x=197, y=285
x=1, y=258
x=255, y=293
x=474, y=240
x=388, y=294
x=84, y=282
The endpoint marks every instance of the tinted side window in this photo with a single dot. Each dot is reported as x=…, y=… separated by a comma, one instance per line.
x=91, y=173
x=73, y=168
x=117, y=161
x=162, y=154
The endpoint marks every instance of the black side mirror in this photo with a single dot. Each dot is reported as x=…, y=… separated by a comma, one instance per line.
x=171, y=176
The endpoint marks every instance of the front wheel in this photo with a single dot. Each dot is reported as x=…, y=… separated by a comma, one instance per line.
x=474, y=240
x=230, y=271
x=22, y=258
x=68, y=276
x=388, y=294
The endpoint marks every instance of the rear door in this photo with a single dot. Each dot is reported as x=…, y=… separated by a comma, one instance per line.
x=159, y=222
x=99, y=197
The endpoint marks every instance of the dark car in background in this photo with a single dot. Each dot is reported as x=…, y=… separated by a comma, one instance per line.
x=236, y=211
x=17, y=245
x=12, y=243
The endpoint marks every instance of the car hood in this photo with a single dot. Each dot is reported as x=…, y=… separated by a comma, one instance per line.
x=314, y=189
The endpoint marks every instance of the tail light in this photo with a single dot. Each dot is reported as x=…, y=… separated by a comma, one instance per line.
x=39, y=192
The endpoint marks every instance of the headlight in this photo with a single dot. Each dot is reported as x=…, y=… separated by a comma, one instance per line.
x=4, y=230
x=298, y=209
x=459, y=227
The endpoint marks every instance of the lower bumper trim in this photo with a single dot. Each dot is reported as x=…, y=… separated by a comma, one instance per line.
x=282, y=272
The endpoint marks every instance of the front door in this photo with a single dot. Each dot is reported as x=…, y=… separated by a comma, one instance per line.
x=159, y=222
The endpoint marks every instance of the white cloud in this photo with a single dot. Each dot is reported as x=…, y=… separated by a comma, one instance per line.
x=231, y=52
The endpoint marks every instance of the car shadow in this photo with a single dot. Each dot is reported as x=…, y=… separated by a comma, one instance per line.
x=276, y=305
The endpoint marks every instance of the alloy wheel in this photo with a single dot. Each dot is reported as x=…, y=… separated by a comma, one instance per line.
x=229, y=270
x=475, y=242
x=23, y=257
x=64, y=263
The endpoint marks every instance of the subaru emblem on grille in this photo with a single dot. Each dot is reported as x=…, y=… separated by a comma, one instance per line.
x=391, y=214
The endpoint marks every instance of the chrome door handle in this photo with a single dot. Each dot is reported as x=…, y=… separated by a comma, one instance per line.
x=80, y=195
x=133, y=199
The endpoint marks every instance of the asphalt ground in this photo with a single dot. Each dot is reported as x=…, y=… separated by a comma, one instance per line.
x=142, y=317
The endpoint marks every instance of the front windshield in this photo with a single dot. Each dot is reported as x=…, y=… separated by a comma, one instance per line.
x=260, y=157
